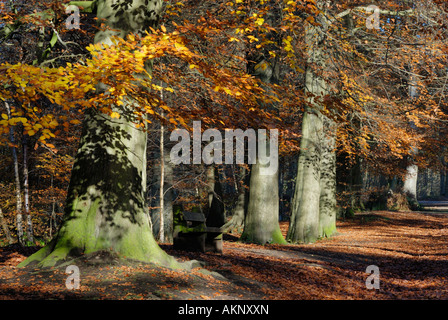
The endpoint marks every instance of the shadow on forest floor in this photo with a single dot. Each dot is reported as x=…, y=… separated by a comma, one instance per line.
x=409, y=249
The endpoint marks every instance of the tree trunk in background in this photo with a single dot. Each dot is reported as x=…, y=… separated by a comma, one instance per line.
x=162, y=185
x=19, y=204
x=216, y=212
x=410, y=181
x=26, y=195
x=239, y=213
x=316, y=165
x=168, y=198
x=106, y=204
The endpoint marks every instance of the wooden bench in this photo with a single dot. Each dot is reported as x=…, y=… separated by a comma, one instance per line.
x=191, y=233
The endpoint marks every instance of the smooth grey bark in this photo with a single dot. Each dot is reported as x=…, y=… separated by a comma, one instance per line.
x=315, y=184
x=106, y=206
x=26, y=195
x=261, y=221
x=168, y=196
x=19, y=203
x=327, y=201
x=304, y=223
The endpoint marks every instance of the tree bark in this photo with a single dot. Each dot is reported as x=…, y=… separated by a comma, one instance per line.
x=239, y=213
x=327, y=201
x=162, y=185
x=26, y=192
x=261, y=223
x=165, y=208
x=19, y=204
x=106, y=204
x=410, y=180
x=216, y=213
x=314, y=205
x=304, y=224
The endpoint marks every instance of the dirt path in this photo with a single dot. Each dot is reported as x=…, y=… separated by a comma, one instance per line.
x=410, y=249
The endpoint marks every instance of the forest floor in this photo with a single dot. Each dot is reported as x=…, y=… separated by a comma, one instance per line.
x=409, y=248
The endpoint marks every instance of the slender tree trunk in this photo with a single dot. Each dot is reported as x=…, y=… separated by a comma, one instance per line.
x=29, y=221
x=410, y=181
x=19, y=204
x=106, y=204
x=162, y=209
x=210, y=181
x=162, y=185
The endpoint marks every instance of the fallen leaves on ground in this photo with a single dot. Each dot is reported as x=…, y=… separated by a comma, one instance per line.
x=409, y=248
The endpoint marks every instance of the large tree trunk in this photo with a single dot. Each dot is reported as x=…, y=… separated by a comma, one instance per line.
x=327, y=201
x=314, y=206
x=106, y=204
x=261, y=224
x=304, y=224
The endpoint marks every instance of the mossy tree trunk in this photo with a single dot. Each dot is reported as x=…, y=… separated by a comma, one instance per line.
x=106, y=206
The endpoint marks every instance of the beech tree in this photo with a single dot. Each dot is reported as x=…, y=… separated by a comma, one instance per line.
x=314, y=203
x=106, y=206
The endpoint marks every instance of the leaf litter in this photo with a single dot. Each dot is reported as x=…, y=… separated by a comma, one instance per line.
x=409, y=248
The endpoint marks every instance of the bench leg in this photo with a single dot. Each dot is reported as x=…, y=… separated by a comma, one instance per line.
x=214, y=242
